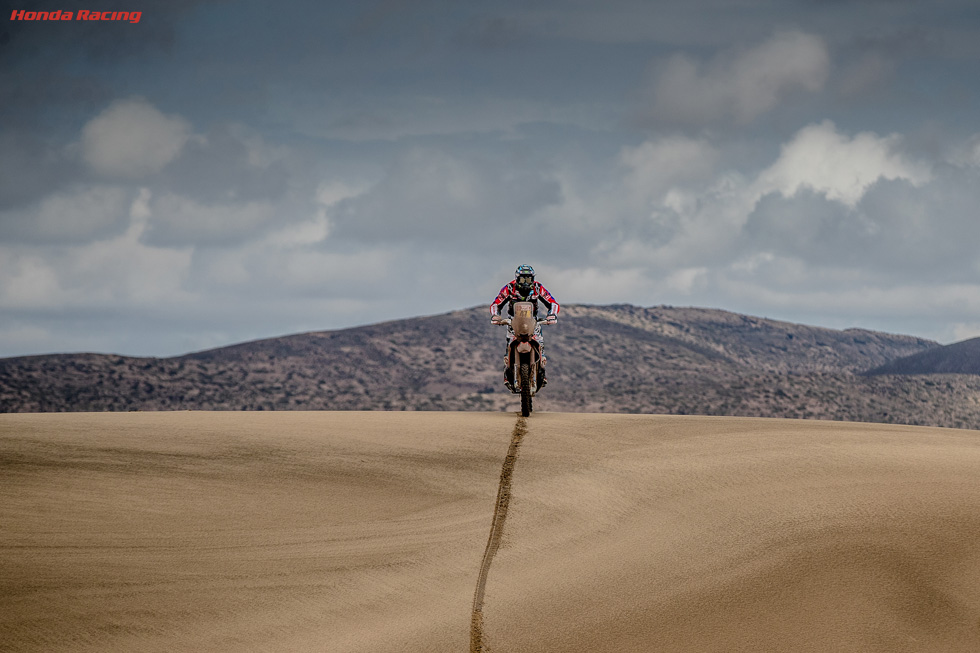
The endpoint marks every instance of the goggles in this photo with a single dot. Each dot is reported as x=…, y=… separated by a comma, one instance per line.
x=525, y=280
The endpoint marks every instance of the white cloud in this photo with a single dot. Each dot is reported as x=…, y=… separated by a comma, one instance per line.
x=966, y=154
x=822, y=159
x=598, y=285
x=178, y=220
x=260, y=152
x=313, y=231
x=686, y=280
x=429, y=195
x=77, y=214
x=842, y=225
x=28, y=281
x=331, y=192
x=742, y=86
x=118, y=273
x=484, y=154
x=339, y=274
x=140, y=208
x=836, y=225
x=656, y=166
x=685, y=228
x=131, y=138
x=278, y=266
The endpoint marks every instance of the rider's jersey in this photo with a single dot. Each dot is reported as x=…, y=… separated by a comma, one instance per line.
x=510, y=294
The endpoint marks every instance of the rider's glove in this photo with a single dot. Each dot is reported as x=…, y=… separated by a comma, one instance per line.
x=552, y=318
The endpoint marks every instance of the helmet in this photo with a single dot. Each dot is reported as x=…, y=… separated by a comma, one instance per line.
x=525, y=279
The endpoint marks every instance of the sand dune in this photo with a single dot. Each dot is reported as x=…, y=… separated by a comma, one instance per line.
x=365, y=532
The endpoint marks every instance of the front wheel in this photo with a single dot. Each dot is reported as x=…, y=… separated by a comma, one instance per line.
x=525, y=389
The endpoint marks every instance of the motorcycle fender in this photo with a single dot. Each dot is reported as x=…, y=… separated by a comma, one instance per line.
x=524, y=347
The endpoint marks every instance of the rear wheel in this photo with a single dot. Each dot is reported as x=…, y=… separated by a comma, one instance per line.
x=525, y=389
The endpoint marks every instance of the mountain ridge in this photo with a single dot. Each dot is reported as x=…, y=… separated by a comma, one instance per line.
x=613, y=358
x=958, y=358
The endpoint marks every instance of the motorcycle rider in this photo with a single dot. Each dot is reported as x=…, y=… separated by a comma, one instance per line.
x=524, y=289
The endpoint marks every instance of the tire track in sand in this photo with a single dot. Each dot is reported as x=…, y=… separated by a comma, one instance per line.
x=477, y=643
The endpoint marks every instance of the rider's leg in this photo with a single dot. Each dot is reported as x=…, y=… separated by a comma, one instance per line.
x=543, y=369
x=508, y=368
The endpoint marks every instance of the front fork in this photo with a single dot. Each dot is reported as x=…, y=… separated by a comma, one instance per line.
x=530, y=356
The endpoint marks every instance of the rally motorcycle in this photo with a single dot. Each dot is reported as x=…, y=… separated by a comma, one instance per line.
x=524, y=353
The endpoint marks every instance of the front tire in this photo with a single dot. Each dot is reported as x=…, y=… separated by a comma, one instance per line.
x=525, y=389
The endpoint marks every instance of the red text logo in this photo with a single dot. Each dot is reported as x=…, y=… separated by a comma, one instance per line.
x=128, y=16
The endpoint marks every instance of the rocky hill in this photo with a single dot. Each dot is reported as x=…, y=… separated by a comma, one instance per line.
x=957, y=358
x=617, y=358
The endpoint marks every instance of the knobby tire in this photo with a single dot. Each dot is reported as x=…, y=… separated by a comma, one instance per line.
x=525, y=389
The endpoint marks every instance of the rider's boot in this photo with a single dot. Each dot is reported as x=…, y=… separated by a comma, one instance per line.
x=543, y=368
x=507, y=380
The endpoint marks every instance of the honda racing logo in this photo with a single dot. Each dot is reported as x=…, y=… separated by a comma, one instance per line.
x=126, y=16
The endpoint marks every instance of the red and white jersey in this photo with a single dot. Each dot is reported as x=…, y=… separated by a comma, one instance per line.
x=510, y=294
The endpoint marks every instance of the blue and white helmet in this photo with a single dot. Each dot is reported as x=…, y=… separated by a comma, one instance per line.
x=525, y=279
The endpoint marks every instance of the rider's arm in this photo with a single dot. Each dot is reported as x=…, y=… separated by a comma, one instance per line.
x=501, y=298
x=548, y=300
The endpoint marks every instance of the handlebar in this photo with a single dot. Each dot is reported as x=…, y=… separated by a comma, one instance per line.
x=506, y=321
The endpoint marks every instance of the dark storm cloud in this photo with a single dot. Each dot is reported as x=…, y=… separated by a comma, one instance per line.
x=738, y=85
x=218, y=166
x=31, y=167
x=928, y=232
x=429, y=195
x=225, y=185
x=492, y=33
x=898, y=230
x=811, y=227
x=76, y=214
x=328, y=159
x=52, y=69
x=225, y=188
x=154, y=33
x=33, y=95
x=178, y=221
x=380, y=16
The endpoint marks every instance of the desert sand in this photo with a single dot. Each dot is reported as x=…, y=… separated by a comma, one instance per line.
x=367, y=532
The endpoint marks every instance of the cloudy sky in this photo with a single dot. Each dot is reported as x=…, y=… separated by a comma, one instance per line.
x=223, y=171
